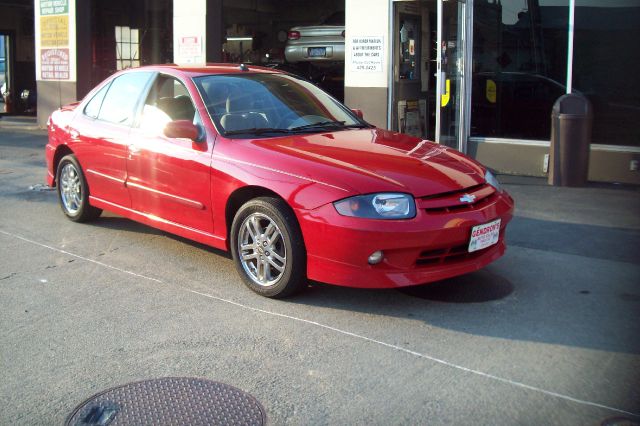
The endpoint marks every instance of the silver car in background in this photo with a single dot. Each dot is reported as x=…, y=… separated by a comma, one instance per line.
x=317, y=44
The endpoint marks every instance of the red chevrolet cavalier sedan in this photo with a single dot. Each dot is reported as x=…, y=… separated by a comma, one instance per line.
x=271, y=168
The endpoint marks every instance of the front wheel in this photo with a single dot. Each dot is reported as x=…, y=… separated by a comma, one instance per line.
x=268, y=249
x=73, y=192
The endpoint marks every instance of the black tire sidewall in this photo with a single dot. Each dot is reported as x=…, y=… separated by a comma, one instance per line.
x=294, y=276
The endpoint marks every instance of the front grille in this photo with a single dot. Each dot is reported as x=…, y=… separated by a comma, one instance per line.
x=449, y=202
x=449, y=255
x=463, y=207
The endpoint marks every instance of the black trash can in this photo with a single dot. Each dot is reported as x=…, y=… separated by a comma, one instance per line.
x=571, y=122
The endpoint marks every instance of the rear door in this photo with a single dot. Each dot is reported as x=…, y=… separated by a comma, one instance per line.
x=170, y=178
x=100, y=136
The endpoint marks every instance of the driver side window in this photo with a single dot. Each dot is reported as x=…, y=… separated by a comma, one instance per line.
x=168, y=100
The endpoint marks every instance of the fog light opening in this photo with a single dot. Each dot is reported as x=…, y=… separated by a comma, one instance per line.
x=376, y=257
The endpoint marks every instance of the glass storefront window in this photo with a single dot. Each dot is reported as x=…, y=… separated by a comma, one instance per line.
x=606, y=61
x=4, y=75
x=519, y=66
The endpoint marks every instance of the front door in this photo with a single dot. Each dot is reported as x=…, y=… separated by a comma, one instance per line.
x=168, y=178
x=452, y=68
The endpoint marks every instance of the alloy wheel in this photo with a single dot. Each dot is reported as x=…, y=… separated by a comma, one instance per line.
x=71, y=188
x=261, y=249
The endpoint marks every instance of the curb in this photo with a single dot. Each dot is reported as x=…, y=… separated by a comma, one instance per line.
x=12, y=124
x=18, y=127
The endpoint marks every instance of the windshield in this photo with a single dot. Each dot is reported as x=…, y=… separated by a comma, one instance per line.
x=271, y=104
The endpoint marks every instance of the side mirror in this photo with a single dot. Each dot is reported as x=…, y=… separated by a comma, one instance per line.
x=184, y=129
x=358, y=112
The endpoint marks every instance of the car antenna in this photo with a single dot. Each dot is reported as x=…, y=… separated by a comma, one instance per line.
x=243, y=67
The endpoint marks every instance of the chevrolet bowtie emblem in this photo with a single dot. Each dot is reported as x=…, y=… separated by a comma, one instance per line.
x=467, y=198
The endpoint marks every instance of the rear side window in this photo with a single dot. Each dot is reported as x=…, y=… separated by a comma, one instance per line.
x=119, y=105
x=93, y=107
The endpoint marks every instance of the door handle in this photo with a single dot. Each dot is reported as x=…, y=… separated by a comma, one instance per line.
x=134, y=149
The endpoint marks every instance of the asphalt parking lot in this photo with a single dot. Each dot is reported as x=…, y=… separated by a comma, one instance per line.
x=549, y=334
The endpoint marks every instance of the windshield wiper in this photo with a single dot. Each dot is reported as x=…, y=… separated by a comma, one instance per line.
x=319, y=124
x=257, y=131
x=358, y=126
x=313, y=126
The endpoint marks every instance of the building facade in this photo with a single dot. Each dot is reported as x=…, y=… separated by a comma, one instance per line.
x=482, y=76
x=477, y=75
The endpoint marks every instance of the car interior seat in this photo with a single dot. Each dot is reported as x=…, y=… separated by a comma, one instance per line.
x=241, y=114
x=178, y=108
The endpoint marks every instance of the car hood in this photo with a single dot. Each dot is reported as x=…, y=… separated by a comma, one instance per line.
x=371, y=160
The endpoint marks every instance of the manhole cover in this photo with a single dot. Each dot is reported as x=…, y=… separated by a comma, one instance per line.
x=170, y=401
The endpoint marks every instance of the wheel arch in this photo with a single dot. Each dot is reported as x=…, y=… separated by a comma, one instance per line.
x=239, y=197
x=61, y=151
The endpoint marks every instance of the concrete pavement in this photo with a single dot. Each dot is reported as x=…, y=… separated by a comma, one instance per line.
x=546, y=335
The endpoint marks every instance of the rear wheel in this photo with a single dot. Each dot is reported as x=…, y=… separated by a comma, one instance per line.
x=268, y=249
x=73, y=192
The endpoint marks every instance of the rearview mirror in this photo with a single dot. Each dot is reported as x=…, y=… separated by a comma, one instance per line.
x=183, y=129
x=358, y=112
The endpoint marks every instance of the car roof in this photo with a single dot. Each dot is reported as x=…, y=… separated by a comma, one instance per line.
x=208, y=69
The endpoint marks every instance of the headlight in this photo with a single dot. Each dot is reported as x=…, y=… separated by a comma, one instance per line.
x=492, y=180
x=378, y=206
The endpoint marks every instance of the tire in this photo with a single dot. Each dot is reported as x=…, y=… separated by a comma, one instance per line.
x=268, y=249
x=73, y=192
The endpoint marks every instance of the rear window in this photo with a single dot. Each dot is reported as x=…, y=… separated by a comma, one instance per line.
x=336, y=18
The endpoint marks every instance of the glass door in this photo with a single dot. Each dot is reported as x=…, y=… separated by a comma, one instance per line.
x=4, y=69
x=451, y=91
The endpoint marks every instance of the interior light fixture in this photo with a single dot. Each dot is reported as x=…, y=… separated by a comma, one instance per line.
x=239, y=38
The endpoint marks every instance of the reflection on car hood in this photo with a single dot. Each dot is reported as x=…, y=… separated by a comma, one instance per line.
x=372, y=160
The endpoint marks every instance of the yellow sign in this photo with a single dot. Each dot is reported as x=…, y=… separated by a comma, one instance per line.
x=447, y=94
x=490, y=91
x=54, y=30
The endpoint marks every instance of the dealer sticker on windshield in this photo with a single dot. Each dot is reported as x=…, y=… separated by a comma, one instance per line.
x=483, y=236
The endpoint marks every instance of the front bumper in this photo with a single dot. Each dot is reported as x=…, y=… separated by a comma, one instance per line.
x=50, y=152
x=428, y=248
